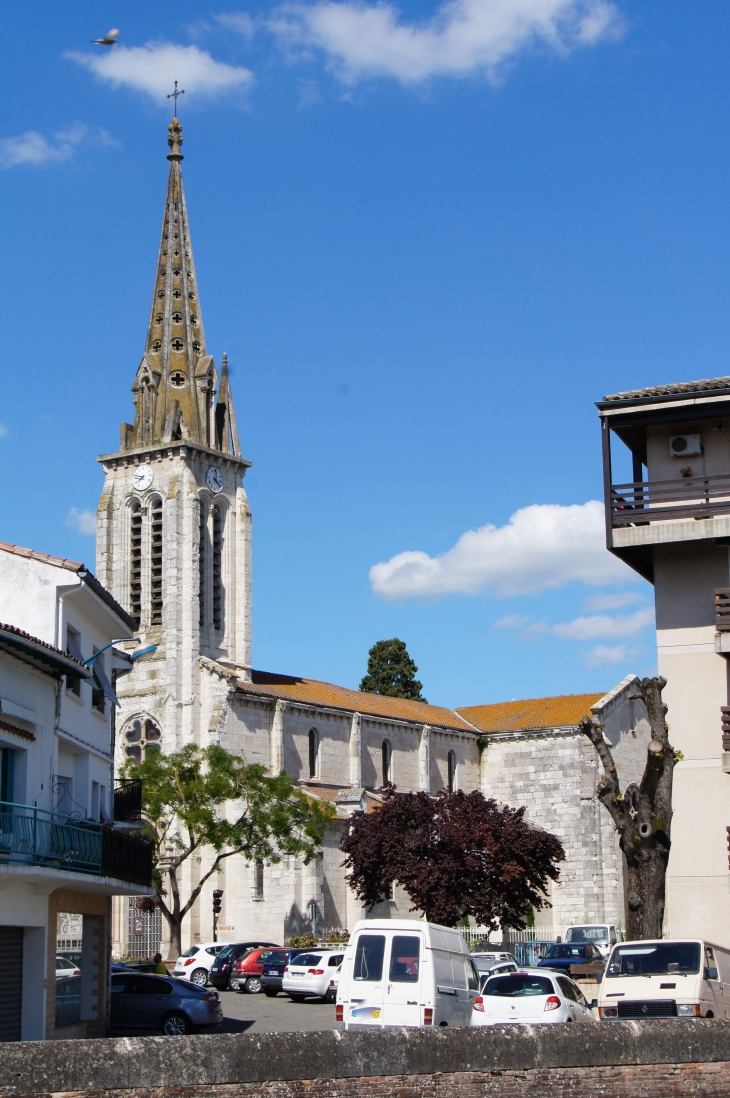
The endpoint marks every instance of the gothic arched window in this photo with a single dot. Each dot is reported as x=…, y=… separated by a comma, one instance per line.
x=141, y=737
x=155, y=513
x=452, y=771
x=202, y=559
x=313, y=752
x=218, y=593
x=135, y=560
x=386, y=754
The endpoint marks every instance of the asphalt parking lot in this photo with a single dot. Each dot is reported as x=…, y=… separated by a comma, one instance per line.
x=258, y=1013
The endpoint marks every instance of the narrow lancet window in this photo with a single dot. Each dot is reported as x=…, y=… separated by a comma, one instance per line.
x=202, y=559
x=156, y=561
x=135, y=557
x=386, y=757
x=452, y=771
x=218, y=594
x=313, y=752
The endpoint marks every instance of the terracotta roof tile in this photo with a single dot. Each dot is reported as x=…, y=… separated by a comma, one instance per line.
x=679, y=388
x=519, y=716
x=14, y=631
x=60, y=562
x=313, y=692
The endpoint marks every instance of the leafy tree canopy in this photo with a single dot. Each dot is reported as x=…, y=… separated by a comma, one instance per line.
x=455, y=854
x=391, y=671
x=194, y=799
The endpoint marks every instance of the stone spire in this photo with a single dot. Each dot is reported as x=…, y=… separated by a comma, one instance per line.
x=174, y=390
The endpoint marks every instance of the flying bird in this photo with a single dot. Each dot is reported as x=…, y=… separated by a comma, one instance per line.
x=108, y=40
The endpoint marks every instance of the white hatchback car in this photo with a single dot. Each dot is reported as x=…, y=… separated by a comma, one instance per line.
x=310, y=974
x=195, y=963
x=533, y=996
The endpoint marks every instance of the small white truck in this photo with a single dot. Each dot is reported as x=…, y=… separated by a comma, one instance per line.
x=404, y=972
x=687, y=978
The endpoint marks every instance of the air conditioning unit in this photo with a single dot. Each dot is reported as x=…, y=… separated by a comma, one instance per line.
x=683, y=445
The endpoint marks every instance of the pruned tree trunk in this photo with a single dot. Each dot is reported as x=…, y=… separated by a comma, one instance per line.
x=643, y=821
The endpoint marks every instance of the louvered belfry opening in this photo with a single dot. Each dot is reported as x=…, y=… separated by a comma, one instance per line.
x=218, y=602
x=156, y=562
x=202, y=560
x=135, y=574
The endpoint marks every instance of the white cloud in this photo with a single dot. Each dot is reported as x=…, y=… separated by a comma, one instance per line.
x=239, y=21
x=603, y=626
x=462, y=38
x=83, y=522
x=152, y=68
x=3, y=431
x=543, y=546
x=604, y=655
x=595, y=603
x=33, y=149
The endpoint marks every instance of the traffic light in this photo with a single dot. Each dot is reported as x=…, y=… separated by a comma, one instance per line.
x=217, y=893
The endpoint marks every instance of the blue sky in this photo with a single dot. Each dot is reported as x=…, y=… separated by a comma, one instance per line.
x=429, y=239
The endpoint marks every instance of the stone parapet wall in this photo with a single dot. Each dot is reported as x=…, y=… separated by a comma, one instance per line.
x=617, y=1060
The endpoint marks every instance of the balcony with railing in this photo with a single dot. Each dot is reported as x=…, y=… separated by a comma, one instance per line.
x=643, y=502
x=32, y=836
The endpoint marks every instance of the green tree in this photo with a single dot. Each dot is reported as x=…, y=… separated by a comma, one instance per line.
x=391, y=671
x=195, y=799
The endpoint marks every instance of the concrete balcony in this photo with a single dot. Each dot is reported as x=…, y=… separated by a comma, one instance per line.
x=685, y=509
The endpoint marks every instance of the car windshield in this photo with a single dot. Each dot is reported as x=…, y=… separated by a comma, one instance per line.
x=587, y=934
x=564, y=950
x=274, y=956
x=225, y=952
x=61, y=962
x=191, y=952
x=518, y=985
x=307, y=959
x=662, y=959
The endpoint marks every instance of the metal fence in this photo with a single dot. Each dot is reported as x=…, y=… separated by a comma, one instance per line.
x=145, y=931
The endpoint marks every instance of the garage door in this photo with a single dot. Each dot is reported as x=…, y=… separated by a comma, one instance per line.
x=11, y=984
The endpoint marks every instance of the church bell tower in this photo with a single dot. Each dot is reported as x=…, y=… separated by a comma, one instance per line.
x=173, y=523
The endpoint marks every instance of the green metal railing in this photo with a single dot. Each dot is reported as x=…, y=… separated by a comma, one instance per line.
x=32, y=836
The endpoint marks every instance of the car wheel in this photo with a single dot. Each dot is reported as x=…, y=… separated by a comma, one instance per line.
x=709, y=1014
x=199, y=977
x=330, y=995
x=253, y=985
x=296, y=998
x=270, y=992
x=176, y=1025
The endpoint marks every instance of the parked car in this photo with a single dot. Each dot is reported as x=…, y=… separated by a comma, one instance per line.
x=666, y=979
x=499, y=969
x=66, y=968
x=533, y=997
x=561, y=955
x=220, y=970
x=487, y=961
x=246, y=973
x=309, y=974
x=196, y=962
x=383, y=981
x=68, y=1000
x=174, y=1007
x=274, y=962
x=601, y=935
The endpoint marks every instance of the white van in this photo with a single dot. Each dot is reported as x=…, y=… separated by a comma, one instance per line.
x=600, y=935
x=403, y=972
x=666, y=979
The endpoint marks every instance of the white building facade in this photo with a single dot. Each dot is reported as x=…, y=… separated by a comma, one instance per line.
x=60, y=856
x=671, y=523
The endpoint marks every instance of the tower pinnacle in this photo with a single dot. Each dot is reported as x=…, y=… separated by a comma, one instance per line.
x=176, y=382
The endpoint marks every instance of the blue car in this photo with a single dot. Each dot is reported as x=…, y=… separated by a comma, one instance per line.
x=172, y=1007
x=561, y=955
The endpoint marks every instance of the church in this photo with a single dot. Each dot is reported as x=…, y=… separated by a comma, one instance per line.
x=174, y=549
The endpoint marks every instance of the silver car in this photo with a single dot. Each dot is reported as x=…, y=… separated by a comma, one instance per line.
x=173, y=1007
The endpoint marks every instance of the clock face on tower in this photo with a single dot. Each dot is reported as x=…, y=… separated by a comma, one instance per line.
x=142, y=477
x=214, y=479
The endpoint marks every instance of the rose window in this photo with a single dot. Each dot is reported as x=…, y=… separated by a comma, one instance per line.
x=141, y=738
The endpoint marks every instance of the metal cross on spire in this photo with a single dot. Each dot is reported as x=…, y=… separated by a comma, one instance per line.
x=176, y=94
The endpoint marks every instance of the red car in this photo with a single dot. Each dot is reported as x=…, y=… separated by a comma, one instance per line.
x=246, y=973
